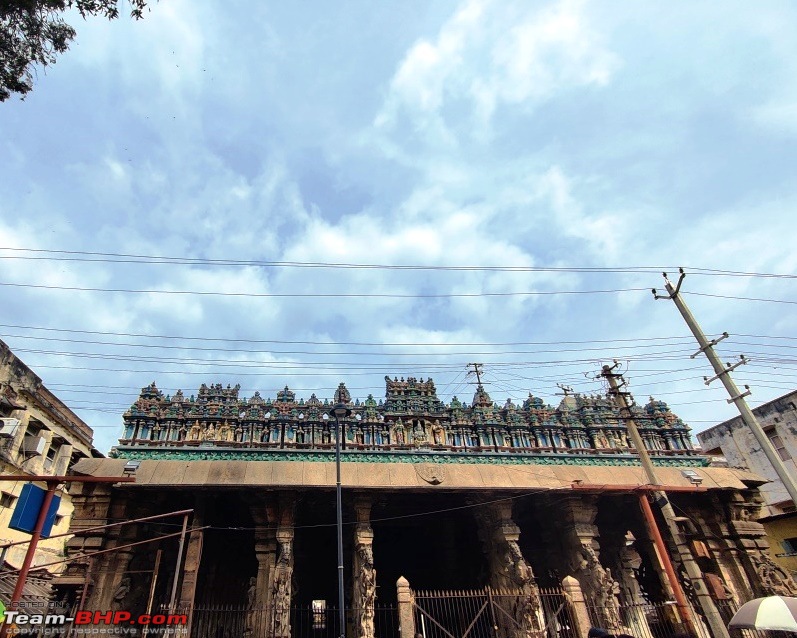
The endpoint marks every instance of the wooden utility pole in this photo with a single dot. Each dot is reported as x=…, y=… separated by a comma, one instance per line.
x=723, y=373
x=715, y=622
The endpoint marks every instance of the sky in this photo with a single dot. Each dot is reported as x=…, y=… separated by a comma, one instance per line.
x=179, y=196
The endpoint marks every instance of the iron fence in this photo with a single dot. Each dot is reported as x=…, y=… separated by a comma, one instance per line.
x=493, y=613
x=644, y=620
x=307, y=621
x=557, y=613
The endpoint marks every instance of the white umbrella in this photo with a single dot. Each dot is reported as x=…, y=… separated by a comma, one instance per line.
x=772, y=612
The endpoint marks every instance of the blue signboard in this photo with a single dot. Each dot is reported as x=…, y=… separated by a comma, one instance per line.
x=28, y=507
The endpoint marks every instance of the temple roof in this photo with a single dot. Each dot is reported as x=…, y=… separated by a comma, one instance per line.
x=218, y=423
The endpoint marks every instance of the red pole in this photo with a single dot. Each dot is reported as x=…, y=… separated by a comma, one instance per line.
x=34, y=541
x=653, y=530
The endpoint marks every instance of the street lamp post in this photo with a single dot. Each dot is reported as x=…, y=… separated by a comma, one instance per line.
x=340, y=410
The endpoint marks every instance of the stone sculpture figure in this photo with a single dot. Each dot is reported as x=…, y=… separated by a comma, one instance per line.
x=195, y=432
x=598, y=585
x=520, y=575
x=282, y=592
x=121, y=592
x=210, y=433
x=366, y=589
x=774, y=579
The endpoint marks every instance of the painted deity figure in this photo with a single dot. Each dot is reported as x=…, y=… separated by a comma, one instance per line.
x=418, y=433
x=400, y=433
x=438, y=434
x=195, y=432
x=210, y=433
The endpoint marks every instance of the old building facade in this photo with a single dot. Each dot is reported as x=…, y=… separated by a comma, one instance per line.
x=39, y=436
x=734, y=441
x=437, y=497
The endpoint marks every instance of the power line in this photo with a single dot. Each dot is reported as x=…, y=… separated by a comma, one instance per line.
x=95, y=256
x=333, y=343
x=666, y=355
x=737, y=298
x=370, y=343
x=324, y=295
x=361, y=295
x=374, y=354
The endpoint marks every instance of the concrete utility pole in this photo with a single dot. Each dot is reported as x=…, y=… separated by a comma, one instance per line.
x=715, y=622
x=477, y=368
x=723, y=374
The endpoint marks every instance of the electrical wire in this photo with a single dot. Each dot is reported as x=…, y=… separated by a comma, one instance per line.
x=95, y=256
x=323, y=295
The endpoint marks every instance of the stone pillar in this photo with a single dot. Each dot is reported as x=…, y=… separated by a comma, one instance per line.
x=364, y=586
x=575, y=597
x=281, y=589
x=265, y=518
x=264, y=515
x=722, y=569
x=580, y=544
x=508, y=568
x=91, y=503
x=764, y=575
x=406, y=610
x=193, y=558
x=108, y=591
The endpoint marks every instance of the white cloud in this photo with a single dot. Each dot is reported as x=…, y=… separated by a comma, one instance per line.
x=491, y=54
x=499, y=133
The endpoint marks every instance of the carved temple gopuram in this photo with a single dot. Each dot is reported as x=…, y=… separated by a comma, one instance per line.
x=535, y=505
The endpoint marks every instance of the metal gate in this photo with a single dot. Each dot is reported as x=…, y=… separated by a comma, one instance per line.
x=492, y=613
x=307, y=621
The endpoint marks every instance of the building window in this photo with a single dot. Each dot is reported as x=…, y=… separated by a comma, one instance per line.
x=778, y=445
x=7, y=499
x=789, y=545
x=52, y=454
x=59, y=518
